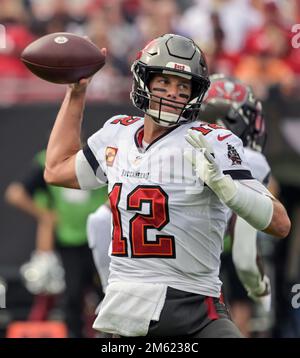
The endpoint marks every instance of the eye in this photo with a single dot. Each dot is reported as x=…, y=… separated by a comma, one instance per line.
x=162, y=80
x=184, y=86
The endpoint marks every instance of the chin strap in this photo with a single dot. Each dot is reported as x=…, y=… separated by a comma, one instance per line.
x=164, y=119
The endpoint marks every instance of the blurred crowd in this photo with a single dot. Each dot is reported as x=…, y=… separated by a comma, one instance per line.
x=251, y=39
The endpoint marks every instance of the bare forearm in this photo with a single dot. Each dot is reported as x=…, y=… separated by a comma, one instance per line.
x=45, y=235
x=65, y=136
x=280, y=224
x=17, y=196
x=64, y=140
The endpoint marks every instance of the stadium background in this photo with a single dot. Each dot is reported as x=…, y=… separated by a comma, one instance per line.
x=261, y=54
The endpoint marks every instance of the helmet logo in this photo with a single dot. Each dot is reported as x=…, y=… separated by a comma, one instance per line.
x=178, y=66
x=228, y=91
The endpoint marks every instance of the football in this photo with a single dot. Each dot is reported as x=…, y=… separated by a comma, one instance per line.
x=63, y=58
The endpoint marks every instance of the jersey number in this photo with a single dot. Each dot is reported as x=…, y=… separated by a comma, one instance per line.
x=139, y=224
x=204, y=130
x=126, y=121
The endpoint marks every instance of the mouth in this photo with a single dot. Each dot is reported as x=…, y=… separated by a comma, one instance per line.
x=177, y=107
x=170, y=109
x=166, y=105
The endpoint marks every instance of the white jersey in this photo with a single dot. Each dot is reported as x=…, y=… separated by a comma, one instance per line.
x=99, y=239
x=260, y=168
x=167, y=227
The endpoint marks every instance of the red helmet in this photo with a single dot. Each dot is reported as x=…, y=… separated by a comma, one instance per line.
x=231, y=103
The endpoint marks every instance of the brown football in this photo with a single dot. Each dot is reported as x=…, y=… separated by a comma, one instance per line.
x=63, y=58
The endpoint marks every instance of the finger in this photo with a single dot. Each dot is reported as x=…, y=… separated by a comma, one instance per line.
x=209, y=156
x=104, y=51
x=200, y=140
x=203, y=143
x=192, y=142
x=194, y=137
x=84, y=81
x=198, y=144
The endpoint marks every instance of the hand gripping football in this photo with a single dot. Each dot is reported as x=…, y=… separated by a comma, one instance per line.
x=63, y=58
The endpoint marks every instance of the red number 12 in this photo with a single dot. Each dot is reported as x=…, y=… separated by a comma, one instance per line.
x=158, y=217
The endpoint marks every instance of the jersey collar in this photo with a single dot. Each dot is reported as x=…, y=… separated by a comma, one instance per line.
x=139, y=135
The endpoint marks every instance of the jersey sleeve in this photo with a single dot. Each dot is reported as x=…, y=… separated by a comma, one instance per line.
x=260, y=167
x=229, y=153
x=94, y=154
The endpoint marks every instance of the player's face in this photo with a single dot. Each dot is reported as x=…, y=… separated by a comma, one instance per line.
x=169, y=87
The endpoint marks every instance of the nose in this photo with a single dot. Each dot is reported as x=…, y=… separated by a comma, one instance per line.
x=172, y=91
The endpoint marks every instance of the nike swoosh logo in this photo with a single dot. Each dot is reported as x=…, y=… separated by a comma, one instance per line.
x=222, y=137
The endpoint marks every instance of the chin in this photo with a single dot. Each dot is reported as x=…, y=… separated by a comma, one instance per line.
x=170, y=110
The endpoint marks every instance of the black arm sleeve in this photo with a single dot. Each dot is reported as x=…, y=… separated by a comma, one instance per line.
x=239, y=174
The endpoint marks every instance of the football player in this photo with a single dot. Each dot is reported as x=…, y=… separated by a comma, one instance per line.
x=169, y=197
x=232, y=104
x=99, y=239
x=61, y=216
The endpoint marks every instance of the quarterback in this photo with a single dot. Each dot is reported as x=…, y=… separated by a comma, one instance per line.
x=172, y=183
